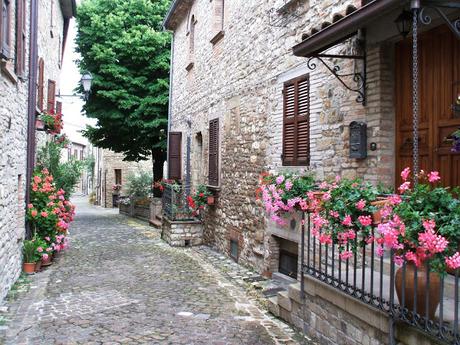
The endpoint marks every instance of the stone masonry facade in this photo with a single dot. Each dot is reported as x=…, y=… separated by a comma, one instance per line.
x=106, y=163
x=237, y=75
x=14, y=126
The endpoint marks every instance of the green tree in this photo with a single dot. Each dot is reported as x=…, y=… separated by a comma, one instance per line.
x=123, y=45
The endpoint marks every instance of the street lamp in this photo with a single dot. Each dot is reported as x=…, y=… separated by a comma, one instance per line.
x=403, y=23
x=86, y=81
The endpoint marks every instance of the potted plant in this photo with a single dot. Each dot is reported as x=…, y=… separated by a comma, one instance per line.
x=199, y=199
x=30, y=257
x=422, y=228
x=284, y=193
x=53, y=122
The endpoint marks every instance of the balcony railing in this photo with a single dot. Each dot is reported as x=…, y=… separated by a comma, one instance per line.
x=372, y=279
x=175, y=205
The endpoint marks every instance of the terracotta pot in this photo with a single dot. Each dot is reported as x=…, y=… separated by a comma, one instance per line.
x=377, y=215
x=47, y=262
x=28, y=267
x=211, y=200
x=422, y=292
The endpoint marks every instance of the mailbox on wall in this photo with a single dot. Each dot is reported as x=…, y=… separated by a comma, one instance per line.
x=358, y=140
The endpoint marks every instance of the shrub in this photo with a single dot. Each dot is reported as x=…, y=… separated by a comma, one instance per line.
x=140, y=185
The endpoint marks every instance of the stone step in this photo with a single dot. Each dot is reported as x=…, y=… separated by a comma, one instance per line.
x=155, y=223
x=284, y=301
x=295, y=293
x=159, y=217
x=273, y=306
x=282, y=278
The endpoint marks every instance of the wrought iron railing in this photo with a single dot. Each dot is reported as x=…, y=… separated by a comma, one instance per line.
x=372, y=279
x=175, y=204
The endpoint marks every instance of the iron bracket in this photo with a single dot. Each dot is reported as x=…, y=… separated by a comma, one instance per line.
x=439, y=7
x=358, y=77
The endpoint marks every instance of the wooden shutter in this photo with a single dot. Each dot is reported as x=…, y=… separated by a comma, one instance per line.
x=20, y=37
x=5, y=28
x=213, y=152
x=175, y=156
x=296, y=121
x=41, y=84
x=59, y=108
x=51, y=95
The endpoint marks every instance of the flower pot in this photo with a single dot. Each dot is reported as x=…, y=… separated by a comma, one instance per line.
x=28, y=267
x=47, y=261
x=422, y=290
x=211, y=200
x=377, y=215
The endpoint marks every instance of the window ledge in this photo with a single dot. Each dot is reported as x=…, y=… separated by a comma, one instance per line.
x=189, y=65
x=217, y=37
x=213, y=189
x=8, y=69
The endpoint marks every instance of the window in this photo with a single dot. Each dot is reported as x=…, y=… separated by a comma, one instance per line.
x=51, y=95
x=58, y=107
x=75, y=153
x=21, y=37
x=218, y=21
x=296, y=122
x=234, y=249
x=118, y=176
x=192, y=36
x=81, y=155
x=5, y=29
x=174, y=156
x=41, y=84
x=213, y=176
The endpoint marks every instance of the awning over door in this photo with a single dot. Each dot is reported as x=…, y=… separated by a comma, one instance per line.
x=344, y=26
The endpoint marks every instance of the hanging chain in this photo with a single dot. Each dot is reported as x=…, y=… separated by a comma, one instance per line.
x=415, y=149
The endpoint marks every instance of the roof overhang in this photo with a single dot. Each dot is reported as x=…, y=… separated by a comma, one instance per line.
x=68, y=8
x=178, y=9
x=345, y=27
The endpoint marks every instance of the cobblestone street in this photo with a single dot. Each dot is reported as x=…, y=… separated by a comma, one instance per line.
x=121, y=284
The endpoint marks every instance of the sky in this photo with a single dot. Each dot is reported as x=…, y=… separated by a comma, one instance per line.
x=74, y=120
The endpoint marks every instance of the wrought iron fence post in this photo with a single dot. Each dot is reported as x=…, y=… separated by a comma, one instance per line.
x=302, y=255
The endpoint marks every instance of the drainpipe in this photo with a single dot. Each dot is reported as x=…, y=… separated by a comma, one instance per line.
x=31, y=110
x=171, y=70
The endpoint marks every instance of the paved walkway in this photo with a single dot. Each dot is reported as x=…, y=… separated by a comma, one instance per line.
x=121, y=284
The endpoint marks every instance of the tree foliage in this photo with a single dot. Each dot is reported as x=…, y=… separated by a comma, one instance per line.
x=123, y=45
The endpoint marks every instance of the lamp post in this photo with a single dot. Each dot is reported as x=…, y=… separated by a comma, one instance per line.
x=86, y=81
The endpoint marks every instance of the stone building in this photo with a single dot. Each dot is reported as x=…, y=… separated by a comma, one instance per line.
x=111, y=170
x=254, y=87
x=32, y=37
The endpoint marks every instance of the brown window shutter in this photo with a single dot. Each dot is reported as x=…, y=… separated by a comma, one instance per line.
x=41, y=84
x=58, y=107
x=213, y=152
x=20, y=37
x=51, y=95
x=296, y=121
x=5, y=28
x=175, y=156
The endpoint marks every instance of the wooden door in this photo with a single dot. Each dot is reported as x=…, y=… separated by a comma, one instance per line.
x=439, y=89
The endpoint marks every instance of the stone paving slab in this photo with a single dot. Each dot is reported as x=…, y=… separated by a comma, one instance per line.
x=121, y=284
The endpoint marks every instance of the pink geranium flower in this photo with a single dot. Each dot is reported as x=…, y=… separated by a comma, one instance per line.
x=365, y=220
x=453, y=261
x=347, y=221
x=433, y=176
x=346, y=255
x=361, y=204
x=405, y=186
x=405, y=174
x=33, y=213
x=44, y=214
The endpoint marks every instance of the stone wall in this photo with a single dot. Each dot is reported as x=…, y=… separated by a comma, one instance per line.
x=13, y=153
x=182, y=233
x=108, y=162
x=334, y=318
x=239, y=79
